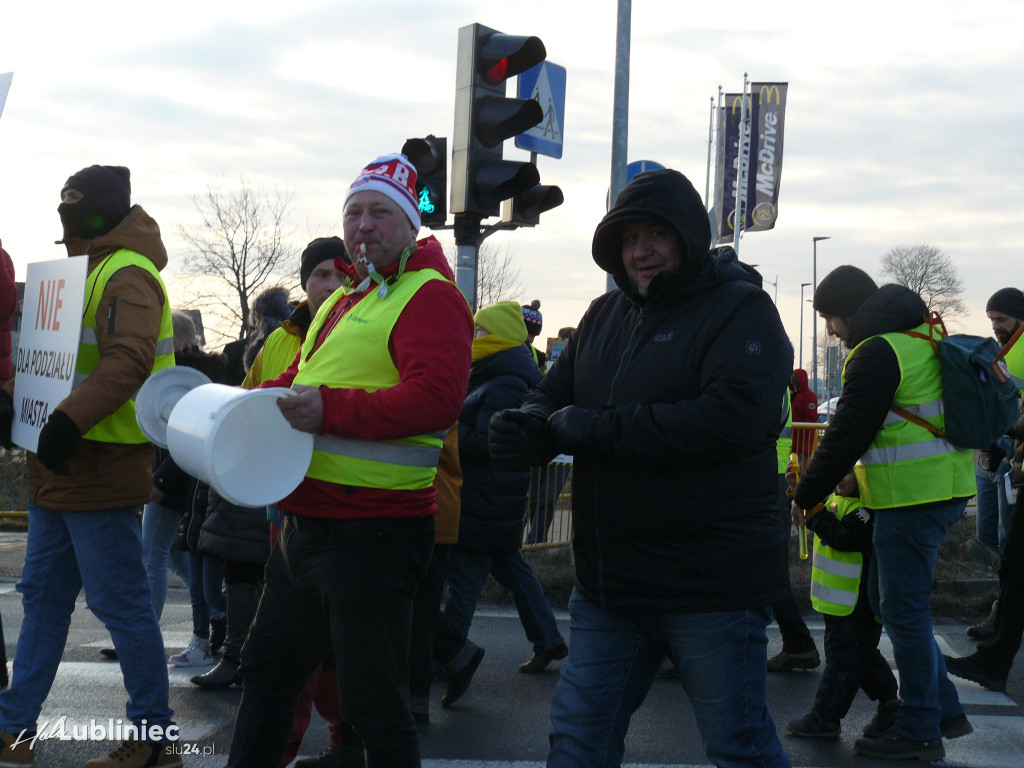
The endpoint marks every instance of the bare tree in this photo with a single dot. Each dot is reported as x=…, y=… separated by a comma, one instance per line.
x=497, y=276
x=241, y=245
x=928, y=271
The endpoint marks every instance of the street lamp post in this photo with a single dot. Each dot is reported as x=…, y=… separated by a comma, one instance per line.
x=802, y=286
x=814, y=350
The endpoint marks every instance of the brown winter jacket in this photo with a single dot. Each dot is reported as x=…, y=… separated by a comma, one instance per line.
x=448, y=485
x=111, y=475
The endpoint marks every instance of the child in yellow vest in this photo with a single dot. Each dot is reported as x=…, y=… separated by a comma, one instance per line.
x=842, y=555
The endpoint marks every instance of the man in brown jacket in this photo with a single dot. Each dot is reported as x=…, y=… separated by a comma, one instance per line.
x=91, y=475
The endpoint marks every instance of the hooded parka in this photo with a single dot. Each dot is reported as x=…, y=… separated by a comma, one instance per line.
x=675, y=500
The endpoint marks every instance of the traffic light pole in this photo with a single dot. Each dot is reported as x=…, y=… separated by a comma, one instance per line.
x=467, y=247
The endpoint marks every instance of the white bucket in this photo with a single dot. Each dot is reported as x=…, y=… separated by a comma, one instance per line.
x=237, y=441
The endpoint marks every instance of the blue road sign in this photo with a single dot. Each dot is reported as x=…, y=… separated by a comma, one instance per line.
x=632, y=170
x=545, y=84
x=639, y=166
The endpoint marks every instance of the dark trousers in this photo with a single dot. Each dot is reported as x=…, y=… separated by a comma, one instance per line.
x=852, y=661
x=796, y=638
x=997, y=653
x=425, y=610
x=350, y=583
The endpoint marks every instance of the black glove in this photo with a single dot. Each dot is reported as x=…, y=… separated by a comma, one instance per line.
x=572, y=429
x=517, y=437
x=6, y=419
x=58, y=441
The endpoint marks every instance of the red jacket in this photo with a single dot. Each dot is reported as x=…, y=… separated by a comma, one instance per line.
x=430, y=345
x=805, y=409
x=8, y=304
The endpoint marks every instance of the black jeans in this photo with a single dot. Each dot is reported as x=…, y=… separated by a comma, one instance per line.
x=852, y=661
x=350, y=583
x=997, y=653
x=425, y=610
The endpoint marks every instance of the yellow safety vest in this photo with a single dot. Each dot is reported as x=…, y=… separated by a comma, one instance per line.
x=355, y=355
x=906, y=464
x=1015, y=362
x=120, y=426
x=835, y=575
x=784, y=445
x=279, y=351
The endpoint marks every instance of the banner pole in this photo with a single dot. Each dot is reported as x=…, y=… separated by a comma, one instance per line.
x=711, y=133
x=741, y=172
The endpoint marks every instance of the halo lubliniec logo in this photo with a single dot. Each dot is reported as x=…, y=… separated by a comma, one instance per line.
x=104, y=730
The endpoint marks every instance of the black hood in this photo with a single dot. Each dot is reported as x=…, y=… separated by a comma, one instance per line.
x=666, y=195
x=891, y=308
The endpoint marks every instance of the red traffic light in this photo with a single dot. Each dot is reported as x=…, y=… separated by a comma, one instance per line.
x=503, y=56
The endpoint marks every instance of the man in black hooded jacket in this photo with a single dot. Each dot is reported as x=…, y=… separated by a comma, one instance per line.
x=667, y=395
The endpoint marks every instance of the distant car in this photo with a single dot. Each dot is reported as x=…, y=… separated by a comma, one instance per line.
x=828, y=408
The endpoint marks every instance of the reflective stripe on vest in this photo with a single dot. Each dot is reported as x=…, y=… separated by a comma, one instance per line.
x=120, y=426
x=355, y=355
x=906, y=464
x=835, y=575
x=88, y=338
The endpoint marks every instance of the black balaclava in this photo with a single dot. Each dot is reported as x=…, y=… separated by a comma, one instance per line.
x=106, y=199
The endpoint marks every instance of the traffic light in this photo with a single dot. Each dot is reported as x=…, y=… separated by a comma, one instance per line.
x=484, y=118
x=524, y=209
x=430, y=158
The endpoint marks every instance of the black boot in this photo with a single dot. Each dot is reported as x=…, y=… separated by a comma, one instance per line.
x=242, y=602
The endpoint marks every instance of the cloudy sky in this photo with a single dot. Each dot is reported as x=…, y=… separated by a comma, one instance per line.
x=903, y=124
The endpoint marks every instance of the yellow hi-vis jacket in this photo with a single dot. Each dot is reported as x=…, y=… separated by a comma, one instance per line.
x=906, y=464
x=355, y=355
x=120, y=426
x=279, y=351
x=836, y=575
x=784, y=445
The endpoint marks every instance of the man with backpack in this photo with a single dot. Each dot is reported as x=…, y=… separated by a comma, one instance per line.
x=916, y=483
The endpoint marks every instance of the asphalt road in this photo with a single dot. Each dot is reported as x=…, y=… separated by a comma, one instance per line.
x=502, y=721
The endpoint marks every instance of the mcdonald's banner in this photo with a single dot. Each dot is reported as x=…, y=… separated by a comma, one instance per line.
x=768, y=122
x=727, y=164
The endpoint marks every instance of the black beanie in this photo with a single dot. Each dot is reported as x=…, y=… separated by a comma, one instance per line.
x=842, y=291
x=107, y=187
x=321, y=249
x=1009, y=301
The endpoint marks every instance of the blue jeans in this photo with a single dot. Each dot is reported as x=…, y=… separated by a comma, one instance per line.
x=906, y=547
x=467, y=573
x=994, y=509
x=159, y=529
x=206, y=590
x=614, y=659
x=102, y=550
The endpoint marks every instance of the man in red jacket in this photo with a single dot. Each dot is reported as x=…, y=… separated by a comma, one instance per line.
x=379, y=379
x=805, y=409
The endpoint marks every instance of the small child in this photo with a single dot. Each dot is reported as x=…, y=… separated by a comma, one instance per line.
x=842, y=555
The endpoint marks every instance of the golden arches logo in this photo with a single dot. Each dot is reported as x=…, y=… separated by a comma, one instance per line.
x=766, y=94
x=737, y=102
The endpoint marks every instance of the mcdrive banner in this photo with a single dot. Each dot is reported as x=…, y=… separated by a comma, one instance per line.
x=757, y=145
x=768, y=122
x=727, y=164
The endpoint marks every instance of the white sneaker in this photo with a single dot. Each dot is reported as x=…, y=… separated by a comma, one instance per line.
x=196, y=654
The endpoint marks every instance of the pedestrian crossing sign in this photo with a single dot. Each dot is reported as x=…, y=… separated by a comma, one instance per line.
x=545, y=84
